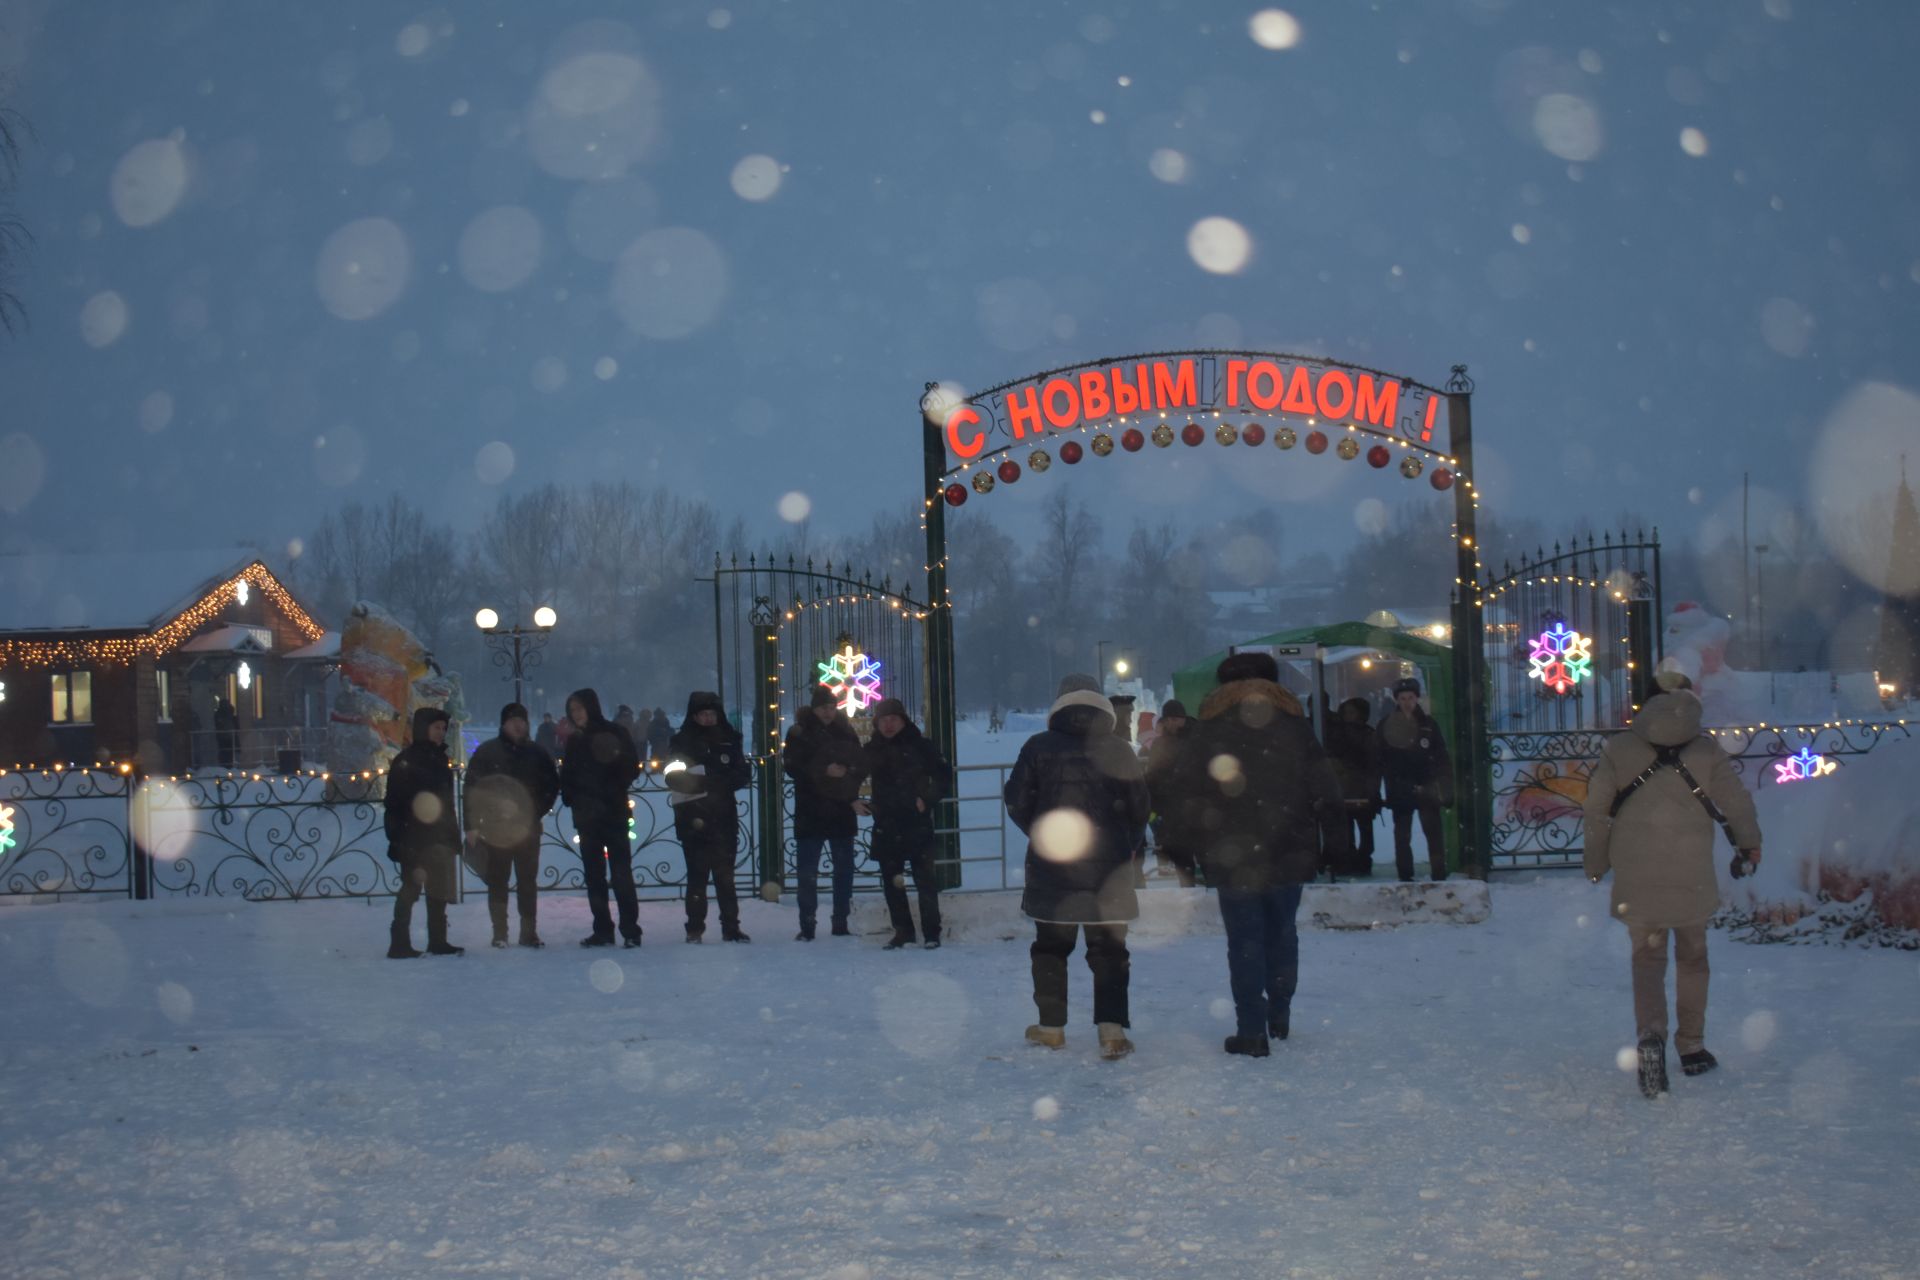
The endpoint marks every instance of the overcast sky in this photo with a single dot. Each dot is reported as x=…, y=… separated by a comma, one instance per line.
x=288, y=253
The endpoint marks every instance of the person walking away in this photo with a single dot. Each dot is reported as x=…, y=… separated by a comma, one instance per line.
x=624, y=718
x=823, y=756
x=511, y=785
x=659, y=736
x=1259, y=801
x=1169, y=736
x=226, y=732
x=1419, y=778
x=547, y=736
x=707, y=763
x=909, y=780
x=1080, y=796
x=423, y=835
x=1352, y=747
x=1652, y=805
x=598, y=767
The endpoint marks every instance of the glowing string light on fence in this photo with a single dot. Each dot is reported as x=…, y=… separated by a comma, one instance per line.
x=1801, y=766
x=1561, y=659
x=852, y=678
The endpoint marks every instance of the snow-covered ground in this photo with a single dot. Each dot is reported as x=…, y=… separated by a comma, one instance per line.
x=195, y=1089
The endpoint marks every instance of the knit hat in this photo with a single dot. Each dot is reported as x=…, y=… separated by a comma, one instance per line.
x=1408, y=685
x=1076, y=683
x=1670, y=676
x=822, y=697
x=1171, y=709
x=890, y=707
x=513, y=711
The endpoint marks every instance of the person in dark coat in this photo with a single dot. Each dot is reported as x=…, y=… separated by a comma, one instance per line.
x=423, y=835
x=1418, y=776
x=1079, y=794
x=547, y=736
x=511, y=786
x=909, y=780
x=659, y=735
x=1169, y=735
x=599, y=766
x=226, y=732
x=706, y=763
x=1352, y=747
x=824, y=758
x=1260, y=805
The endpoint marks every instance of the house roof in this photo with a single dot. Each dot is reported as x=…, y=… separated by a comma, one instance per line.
x=118, y=591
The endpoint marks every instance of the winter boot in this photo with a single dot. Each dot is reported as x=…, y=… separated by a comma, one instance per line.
x=695, y=935
x=805, y=935
x=437, y=944
x=735, y=934
x=631, y=941
x=897, y=941
x=1698, y=1063
x=400, y=946
x=1248, y=1046
x=1279, y=1022
x=931, y=944
x=597, y=940
x=1050, y=1037
x=840, y=929
x=1653, y=1065
x=497, y=913
x=529, y=936
x=1113, y=1041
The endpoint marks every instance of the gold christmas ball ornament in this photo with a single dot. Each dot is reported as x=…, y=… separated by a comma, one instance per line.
x=1348, y=448
x=1039, y=460
x=983, y=483
x=1411, y=466
x=1103, y=444
x=1226, y=433
x=1163, y=435
x=1286, y=437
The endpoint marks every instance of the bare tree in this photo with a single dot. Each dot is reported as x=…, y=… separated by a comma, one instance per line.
x=14, y=238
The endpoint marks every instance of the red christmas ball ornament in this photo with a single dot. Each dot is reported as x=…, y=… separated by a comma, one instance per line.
x=1378, y=456
x=1441, y=478
x=956, y=494
x=1071, y=452
x=1254, y=434
x=1009, y=471
x=1193, y=434
x=1131, y=440
x=1316, y=442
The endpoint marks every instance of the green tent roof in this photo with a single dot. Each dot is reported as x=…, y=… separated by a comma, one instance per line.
x=1191, y=684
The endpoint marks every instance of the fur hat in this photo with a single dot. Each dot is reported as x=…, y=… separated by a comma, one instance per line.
x=1408, y=685
x=1252, y=665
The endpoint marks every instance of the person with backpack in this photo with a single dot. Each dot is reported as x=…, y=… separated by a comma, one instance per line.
x=598, y=767
x=1419, y=778
x=1653, y=803
x=706, y=763
x=1078, y=793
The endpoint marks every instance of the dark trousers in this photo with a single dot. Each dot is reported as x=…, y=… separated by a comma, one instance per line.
x=926, y=885
x=806, y=858
x=1361, y=861
x=1106, y=957
x=604, y=845
x=1403, y=839
x=1263, y=954
x=411, y=883
x=710, y=859
x=522, y=862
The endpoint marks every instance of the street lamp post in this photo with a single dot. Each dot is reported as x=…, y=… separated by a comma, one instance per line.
x=516, y=648
x=1100, y=662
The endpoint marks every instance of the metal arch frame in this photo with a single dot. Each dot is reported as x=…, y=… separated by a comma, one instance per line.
x=1474, y=783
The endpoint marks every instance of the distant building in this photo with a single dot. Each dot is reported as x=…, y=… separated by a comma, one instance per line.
x=130, y=657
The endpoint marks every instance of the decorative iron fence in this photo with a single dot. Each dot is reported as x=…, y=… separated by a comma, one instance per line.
x=1540, y=779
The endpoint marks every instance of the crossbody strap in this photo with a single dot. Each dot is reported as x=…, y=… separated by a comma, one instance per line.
x=1669, y=758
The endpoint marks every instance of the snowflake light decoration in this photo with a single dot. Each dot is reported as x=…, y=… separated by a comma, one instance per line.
x=6, y=827
x=1560, y=659
x=852, y=678
x=1801, y=766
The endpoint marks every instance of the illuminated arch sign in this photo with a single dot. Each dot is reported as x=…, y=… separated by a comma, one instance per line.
x=1188, y=383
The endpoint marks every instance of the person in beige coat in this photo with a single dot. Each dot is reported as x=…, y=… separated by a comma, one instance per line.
x=1658, y=839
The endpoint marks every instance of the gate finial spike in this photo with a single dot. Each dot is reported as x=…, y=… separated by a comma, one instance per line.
x=789, y=562
x=1656, y=535
x=1606, y=538
x=809, y=564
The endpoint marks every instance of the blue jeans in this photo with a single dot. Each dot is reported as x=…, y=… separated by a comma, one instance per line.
x=1263, y=954
x=806, y=859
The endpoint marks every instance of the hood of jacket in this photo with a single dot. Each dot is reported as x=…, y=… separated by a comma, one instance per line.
x=1081, y=711
x=704, y=700
x=1668, y=719
x=591, y=701
x=424, y=719
x=1256, y=700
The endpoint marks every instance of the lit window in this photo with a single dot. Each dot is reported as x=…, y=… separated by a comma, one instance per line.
x=73, y=697
x=259, y=696
x=163, y=687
